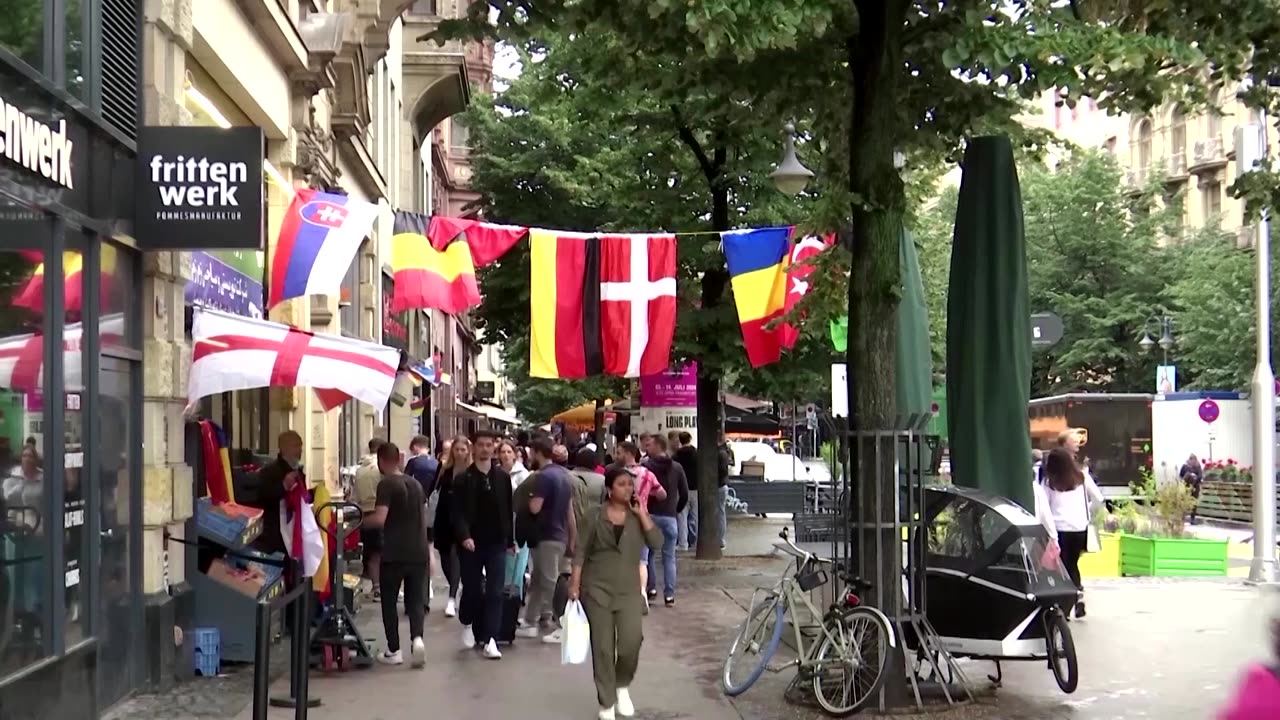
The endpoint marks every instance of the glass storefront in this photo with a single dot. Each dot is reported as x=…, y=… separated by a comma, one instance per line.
x=70, y=400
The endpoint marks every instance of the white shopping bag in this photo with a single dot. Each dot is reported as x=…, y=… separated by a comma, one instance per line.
x=312, y=544
x=576, y=645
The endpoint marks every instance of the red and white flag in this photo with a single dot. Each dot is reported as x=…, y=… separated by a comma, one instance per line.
x=637, y=303
x=798, y=271
x=22, y=356
x=231, y=352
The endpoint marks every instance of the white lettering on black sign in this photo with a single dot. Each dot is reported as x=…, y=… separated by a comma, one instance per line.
x=35, y=145
x=197, y=188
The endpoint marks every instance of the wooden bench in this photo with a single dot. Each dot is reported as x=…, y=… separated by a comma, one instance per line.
x=763, y=497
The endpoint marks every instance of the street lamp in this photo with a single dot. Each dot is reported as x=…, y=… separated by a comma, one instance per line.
x=791, y=177
x=1166, y=341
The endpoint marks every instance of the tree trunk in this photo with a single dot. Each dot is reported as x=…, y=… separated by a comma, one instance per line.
x=875, y=66
x=710, y=510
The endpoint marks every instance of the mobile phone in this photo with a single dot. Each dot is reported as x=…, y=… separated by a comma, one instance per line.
x=635, y=501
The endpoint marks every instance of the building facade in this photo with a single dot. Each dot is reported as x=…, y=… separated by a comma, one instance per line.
x=1192, y=153
x=71, y=351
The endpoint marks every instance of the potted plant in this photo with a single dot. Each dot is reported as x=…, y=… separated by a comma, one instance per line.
x=1160, y=545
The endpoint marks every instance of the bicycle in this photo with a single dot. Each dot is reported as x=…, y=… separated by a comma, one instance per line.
x=838, y=649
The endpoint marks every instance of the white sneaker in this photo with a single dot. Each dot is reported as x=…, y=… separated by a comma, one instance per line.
x=451, y=609
x=394, y=658
x=491, y=651
x=419, y=652
x=528, y=631
x=554, y=637
x=431, y=591
x=606, y=714
x=468, y=637
x=625, y=708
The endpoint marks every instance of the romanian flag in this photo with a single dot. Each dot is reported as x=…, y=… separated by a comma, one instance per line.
x=758, y=261
x=564, y=305
x=434, y=261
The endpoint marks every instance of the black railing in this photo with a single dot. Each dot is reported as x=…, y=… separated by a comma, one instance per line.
x=299, y=652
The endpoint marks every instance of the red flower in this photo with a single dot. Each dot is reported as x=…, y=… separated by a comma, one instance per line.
x=1231, y=461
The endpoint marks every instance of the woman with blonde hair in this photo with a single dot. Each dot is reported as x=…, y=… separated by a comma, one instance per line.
x=456, y=461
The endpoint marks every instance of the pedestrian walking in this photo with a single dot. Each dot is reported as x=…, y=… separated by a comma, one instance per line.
x=399, y=509
x=510, y=460
x=603, y=579
x=1068, y=491
x=555, y=529
x=1192, y=474
x=724, y=462
x=366, y=486
x=457, y=456
x=485, y=531
x=665, y=511
x=627, y=455
x=687, y=455
x=425, y=468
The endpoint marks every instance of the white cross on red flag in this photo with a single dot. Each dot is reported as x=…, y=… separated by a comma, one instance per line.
x=237, y=353
x=637, y=303
x=798, y=271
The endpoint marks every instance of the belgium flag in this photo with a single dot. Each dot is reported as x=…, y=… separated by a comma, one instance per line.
x=426, y=277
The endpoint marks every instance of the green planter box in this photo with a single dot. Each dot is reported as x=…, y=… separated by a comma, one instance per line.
x=1172, y=557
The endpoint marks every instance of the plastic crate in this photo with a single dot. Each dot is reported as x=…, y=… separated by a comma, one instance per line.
x=206, y=652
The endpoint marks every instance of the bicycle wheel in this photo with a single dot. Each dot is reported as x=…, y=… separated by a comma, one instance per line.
x=1062, y=652
x=753, y=646
x=850, y=663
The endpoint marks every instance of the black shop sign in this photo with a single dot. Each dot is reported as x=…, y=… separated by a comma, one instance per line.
x=199, y=188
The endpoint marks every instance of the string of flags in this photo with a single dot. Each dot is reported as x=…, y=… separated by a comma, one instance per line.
x=600, y=303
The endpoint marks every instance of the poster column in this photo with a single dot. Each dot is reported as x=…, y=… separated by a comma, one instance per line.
x=669, y=401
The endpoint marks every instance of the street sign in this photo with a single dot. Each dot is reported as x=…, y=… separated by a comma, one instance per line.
x=1209, y=411
x=1046, y=329
x=1213, y=434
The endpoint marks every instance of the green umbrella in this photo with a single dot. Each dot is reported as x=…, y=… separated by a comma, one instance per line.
x=913, y=358
x=988, y=336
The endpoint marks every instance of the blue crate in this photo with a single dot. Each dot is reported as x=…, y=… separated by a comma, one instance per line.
x=206, y=651
x=218, y=527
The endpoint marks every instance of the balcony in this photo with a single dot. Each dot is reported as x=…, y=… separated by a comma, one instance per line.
x=1177, y=168
x=436, y=78
x=1208, y=155
x=1134, y=180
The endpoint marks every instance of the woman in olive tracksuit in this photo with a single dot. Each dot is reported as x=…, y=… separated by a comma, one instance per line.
x=604, y=577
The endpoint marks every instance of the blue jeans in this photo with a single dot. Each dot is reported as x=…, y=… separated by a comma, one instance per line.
x=692, y=523
x=667, y=524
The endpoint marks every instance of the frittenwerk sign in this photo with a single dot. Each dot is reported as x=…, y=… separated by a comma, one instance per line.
x=44, y=149
x=199, y=188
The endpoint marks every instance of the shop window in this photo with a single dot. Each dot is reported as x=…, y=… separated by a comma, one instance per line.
x=117, y=432
x=25, y=611
x=75, y=59
x=22, y=31
x=75, y=371
x=119, y=294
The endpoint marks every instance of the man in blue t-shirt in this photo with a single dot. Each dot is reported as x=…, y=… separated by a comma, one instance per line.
x=551, y=504
x=424, y=468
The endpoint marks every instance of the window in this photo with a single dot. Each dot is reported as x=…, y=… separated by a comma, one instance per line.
x=423, y=7
x=25, y=603
x=459, y=135
x=1211, y=200
x=1143, y=159
x=1178, y=138
x=118, y=294
x=22, y=32
x=118, y=63
x=76, y=485
x=1213, y=123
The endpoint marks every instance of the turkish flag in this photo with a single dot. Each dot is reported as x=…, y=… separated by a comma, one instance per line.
x=798, y=271
x=637, y=303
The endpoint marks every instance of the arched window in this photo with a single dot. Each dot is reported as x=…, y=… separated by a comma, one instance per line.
x=1142, y=159
x=1178, y=139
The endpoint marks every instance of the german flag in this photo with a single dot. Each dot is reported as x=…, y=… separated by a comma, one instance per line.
x=564, y=304
x=427, y=278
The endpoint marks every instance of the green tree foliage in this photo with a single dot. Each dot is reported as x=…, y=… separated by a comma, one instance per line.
x=1212, y=303
x=551, y=151
x=870, y=77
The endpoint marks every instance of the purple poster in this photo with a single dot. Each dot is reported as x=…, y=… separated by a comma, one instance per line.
x=217, y=285
x=675, y=388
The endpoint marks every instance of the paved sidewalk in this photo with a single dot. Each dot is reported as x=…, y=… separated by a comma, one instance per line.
x=529, y=682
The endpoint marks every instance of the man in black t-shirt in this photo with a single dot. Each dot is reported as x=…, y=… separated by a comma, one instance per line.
x=399, y=510
x=484, y=526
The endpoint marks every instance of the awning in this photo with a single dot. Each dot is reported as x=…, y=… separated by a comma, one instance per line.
x=464, y=407
x=500, y=415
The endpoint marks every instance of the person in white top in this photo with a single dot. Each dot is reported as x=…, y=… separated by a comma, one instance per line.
x=1064, y=494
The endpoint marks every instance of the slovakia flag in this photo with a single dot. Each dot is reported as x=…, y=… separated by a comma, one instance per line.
x=319, y=238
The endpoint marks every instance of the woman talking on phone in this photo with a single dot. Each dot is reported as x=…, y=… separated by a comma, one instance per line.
x=604, y=578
